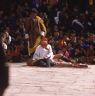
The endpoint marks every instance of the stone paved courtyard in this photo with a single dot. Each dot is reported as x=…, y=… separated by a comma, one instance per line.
x=35, y=81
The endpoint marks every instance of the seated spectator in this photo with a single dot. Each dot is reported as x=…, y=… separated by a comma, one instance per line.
x=64, y=51
x=43, y=55
x=91, y=54
x=13, y=53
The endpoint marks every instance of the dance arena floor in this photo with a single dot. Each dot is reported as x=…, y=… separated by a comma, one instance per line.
x=36, y=81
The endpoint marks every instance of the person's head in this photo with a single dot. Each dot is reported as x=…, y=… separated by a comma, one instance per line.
x=1, y=13
x=44, y=42
x=55, y=28
x=33, y=13
x=56, y=34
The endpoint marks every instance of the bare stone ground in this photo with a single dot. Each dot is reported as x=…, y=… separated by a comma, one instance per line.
x=35, y=81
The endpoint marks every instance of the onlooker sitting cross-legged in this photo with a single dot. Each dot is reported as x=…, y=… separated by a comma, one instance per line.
x=43, y=55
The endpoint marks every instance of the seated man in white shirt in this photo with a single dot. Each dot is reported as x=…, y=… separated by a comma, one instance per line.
x=43, y=55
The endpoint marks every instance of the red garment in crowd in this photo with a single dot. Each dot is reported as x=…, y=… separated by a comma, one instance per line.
x=64, y=53
x=60, y=44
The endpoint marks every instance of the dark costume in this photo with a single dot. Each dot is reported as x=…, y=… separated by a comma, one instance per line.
x=4, y=75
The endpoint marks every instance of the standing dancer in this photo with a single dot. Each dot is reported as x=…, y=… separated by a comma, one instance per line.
x=35, y=27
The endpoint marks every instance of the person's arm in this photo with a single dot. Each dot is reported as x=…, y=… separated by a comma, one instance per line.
x=36, y=54
x=50, y=52
x=41, y=25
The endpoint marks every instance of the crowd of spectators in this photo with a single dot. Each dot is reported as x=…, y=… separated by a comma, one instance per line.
x=70, y=30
